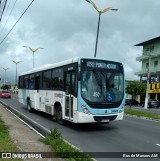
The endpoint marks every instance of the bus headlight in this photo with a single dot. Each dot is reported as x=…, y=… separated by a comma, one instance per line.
x=85, y=110
x=121, y=110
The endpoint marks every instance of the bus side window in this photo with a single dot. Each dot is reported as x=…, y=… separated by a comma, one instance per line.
x=57, y=79
x=47, y=79
x=67, y=83
x=31, y=82
x=21, y=82
x=70, y=83
x=37, y=82
x=74, y=84
x=26, y=82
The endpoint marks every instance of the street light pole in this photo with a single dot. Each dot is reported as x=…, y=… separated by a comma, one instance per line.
x=5, y=69
x=148, y=78
x=97, y=35
x=99, y=12
x=33, y=51
x=16, y=69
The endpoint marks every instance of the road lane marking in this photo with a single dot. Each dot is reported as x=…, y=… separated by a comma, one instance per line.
x=158, y=144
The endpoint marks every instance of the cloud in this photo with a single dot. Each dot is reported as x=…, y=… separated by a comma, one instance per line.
x=68, y=29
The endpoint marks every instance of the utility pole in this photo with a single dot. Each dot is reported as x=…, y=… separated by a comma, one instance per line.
x=148, y=78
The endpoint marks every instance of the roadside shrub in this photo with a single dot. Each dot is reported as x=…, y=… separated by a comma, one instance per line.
x=63, y=149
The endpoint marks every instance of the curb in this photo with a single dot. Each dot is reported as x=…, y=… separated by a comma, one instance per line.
x=42, y=130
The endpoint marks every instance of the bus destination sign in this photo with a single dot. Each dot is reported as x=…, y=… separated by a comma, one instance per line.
x=99, y=64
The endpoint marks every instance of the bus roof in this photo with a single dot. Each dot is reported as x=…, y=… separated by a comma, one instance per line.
x=49, y=66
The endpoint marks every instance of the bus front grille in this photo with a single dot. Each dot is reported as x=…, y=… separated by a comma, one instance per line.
x=101, y=118
x=104, y=105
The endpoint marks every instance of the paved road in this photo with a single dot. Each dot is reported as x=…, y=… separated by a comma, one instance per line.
x=129, y=135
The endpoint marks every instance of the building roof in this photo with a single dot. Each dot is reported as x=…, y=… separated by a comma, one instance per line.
x=148, y=41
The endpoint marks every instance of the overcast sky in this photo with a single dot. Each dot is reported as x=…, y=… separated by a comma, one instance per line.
x=67, y=29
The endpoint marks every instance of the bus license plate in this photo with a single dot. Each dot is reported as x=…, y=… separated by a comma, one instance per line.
x=105, y=121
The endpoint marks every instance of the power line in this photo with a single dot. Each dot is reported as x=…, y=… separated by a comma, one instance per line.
x=7, y=7
x=8, y=18
x=2, y=4
x=16, y=22
x=3, y=10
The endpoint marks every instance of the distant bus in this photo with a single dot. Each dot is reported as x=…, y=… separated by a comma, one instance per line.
x=79, y=90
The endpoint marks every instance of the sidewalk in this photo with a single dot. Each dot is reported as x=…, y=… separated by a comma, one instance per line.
x=26, y=139
x=149, y=110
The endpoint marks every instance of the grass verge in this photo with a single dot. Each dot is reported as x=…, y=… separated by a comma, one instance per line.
x=6, y=143
x=63, y=149
x=142, y=114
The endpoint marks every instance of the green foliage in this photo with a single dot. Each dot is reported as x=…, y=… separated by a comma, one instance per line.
x=63, y=149
x=136, y=88
x=5, y=86
x=142, y=114
x=55, y=133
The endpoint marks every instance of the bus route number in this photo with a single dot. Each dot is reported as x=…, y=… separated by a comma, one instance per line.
x=90, y=64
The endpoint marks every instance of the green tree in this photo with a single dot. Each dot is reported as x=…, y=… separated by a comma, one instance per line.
x=5, y=86
x=136, y=88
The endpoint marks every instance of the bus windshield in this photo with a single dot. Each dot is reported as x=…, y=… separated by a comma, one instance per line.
x=102, y=86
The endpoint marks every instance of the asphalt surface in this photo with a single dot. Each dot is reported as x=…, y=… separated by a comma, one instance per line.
x=130, y=135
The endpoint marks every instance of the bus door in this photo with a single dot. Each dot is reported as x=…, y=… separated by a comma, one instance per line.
x=37, y=98
x=70, y=90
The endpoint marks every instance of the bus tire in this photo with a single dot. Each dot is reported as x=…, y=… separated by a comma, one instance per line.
x=29, y=106
x=59, y=116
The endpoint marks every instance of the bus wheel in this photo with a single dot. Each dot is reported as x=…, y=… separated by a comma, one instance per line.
x=29, y=106
x=59, y=116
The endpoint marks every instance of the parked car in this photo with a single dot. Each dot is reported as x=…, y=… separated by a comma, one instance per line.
x=152, y=103
x=5, y=94
x=132, y=101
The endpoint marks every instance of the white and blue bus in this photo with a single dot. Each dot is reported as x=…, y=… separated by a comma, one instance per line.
x=79, y=90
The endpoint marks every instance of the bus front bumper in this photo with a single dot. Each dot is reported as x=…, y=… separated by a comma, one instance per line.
x=89, y=118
